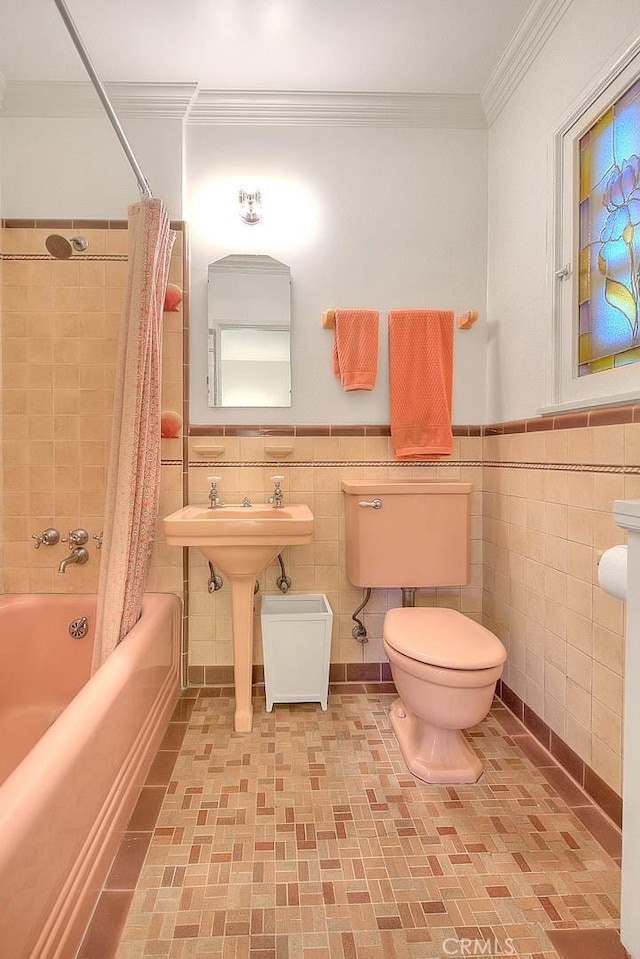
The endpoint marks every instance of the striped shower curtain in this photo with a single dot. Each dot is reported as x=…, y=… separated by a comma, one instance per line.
x=133, y=481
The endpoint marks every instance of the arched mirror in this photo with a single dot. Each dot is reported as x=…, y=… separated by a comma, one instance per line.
x=249, y=315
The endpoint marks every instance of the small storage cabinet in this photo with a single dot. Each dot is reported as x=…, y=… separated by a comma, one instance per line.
x=296, y=645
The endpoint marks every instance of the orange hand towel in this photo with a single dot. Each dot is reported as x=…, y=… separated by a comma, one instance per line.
x=420, y=383
x=355, y=349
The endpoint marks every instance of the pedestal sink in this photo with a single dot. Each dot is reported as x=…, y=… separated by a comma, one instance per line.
x=241, y=541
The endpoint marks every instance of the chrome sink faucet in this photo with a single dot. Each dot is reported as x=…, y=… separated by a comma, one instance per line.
x=214, y=499
x=276, y=499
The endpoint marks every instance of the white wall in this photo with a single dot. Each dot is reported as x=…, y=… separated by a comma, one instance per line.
x=74, y=168
x=395, y=218
x=590, y=37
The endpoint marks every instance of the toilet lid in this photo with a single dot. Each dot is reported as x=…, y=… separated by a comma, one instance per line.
x=442, y=637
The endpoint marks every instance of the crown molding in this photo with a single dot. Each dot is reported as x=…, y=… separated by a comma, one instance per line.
x=29, y=98
x=539, y=23
x=292, y=108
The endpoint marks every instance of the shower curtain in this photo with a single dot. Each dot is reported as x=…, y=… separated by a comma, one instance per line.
x=133, y=481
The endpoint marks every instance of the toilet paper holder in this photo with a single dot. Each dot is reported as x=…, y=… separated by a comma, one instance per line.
x=612, y=571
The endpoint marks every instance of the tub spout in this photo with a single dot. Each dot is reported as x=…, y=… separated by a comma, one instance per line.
x=79, y=555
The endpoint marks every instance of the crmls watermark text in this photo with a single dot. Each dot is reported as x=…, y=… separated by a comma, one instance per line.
x=478, y=947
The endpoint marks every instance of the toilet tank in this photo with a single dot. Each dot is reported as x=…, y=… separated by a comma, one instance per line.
x=418, y=537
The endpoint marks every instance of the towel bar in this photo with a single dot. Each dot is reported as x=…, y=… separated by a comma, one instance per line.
x=464, y=322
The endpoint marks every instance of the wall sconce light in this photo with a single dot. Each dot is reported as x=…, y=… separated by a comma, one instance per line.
x=250, y=206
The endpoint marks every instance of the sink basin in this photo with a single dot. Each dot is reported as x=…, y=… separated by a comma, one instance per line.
x=241, y=541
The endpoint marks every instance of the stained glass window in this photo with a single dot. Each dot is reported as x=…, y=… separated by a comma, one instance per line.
x=609, y=238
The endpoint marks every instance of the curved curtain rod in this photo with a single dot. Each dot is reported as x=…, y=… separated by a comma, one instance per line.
x=72, y=30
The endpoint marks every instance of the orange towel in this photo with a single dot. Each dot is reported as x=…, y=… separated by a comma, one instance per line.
x=355, y=349
x=420, y=383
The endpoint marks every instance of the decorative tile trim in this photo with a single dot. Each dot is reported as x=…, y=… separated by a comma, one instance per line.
x=100, y=257
x=600, y=792
x=569, y=467
x=598, y=416
x=310, y=429
x=332, y=463
x=15, y=223
x=19, y=223
x=494, y=464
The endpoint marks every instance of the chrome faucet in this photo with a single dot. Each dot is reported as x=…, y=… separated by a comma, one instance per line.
x=276, y=499
x=79, y=555
x=214, y=499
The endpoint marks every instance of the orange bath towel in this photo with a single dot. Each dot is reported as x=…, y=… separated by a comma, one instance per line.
x=420, y=383
x=355, y=349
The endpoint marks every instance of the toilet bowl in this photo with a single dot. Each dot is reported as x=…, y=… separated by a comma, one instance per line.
x=445, y=668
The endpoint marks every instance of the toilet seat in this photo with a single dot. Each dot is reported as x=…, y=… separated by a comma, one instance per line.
x=442, y=637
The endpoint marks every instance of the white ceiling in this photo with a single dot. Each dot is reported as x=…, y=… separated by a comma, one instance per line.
x=399, y=46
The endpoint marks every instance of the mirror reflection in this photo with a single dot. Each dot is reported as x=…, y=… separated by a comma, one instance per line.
x=249, y=307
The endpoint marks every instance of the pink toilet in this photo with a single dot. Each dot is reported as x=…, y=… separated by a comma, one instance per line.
x=415, y=533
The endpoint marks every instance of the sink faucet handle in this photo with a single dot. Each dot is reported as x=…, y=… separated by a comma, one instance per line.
x=214, y=499
x=277, y=496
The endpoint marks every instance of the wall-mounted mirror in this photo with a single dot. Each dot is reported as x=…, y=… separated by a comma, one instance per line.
x=249, y=309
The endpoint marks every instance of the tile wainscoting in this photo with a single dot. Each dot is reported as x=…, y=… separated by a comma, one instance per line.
x=542, y=516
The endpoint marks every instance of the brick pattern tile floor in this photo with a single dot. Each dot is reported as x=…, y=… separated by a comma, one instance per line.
x=308, y=839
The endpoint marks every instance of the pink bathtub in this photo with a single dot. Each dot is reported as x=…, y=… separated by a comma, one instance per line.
x=79, y=752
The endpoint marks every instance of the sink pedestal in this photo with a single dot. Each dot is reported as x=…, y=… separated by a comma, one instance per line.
x=242, y=626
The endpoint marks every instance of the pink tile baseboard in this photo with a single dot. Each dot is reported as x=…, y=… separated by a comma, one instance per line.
x=587, y=943
x=217, y=676
x=600, y=792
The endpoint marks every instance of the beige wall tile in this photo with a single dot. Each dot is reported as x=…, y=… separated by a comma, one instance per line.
x=606, y=726
x=607, y=687
x=580, y=667
x=609, y=445
x=608, y=649
x=606, y=763
x=580, y=525
x=580, y=445
x=632, y=444
x=578, y=737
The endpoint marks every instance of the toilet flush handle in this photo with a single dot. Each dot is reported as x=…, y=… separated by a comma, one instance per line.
x=372, y=504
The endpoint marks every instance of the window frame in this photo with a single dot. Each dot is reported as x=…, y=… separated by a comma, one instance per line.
x=567, y=389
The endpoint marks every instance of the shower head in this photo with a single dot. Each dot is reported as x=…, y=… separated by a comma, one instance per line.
x=62, y=248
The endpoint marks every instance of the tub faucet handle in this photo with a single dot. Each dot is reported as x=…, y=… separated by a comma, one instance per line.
x=76, y=537
x=49, y=537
